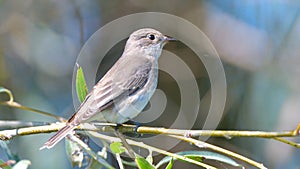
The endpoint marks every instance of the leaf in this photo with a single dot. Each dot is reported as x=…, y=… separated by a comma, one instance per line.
x=200, y=155
x=74, y=153
x=170, y=165
x=117, y=148
x=143, y=163
x=149, y=158
x=81, y=87
x=8, y=92
x=23, y=164
x=5, y=165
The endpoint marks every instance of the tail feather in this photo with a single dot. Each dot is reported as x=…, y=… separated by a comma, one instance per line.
x=58, y=136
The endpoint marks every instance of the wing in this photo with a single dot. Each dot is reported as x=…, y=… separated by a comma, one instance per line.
x=125, y=81
x=137, y=81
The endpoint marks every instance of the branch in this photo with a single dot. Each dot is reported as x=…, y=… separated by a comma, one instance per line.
x=202, y=133
x=143, y=145
x=184, y=135
x=202, y=144
x=9, y=134
x=17, y=105
x=4, y=124
x=109, y=127
x=216, y=133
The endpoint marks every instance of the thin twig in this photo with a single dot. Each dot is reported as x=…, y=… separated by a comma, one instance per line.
x=198, y=133
x=202, y=144
x=19, y=106
x=291, y=143
x=108, y=127
x=5, y=124
x=131, y=153
x=215, y=133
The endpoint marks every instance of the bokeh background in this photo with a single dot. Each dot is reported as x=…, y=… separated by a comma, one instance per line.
x=258, y=43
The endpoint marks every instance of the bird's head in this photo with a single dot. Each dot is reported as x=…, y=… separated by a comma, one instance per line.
x=148, y=41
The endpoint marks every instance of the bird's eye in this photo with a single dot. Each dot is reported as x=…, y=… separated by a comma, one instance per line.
x=151, y=37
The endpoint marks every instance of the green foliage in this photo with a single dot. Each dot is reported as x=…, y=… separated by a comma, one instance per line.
x=117, y=147
x=81, y=87
x=4, y=165
x=143, y=163
x=149, y=158
x=23, y=164
x=170, y=165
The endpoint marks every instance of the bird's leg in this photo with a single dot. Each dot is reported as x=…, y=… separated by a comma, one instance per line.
x=137, y=125
x=130, y=151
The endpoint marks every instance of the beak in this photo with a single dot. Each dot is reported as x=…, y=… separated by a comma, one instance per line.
x=168, y=38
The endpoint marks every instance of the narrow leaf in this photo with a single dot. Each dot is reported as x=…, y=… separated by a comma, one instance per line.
x=6, y=165
x=143, y=163
x=170, y=165
x=117, y=147
x=149, y=158
x=81, y=87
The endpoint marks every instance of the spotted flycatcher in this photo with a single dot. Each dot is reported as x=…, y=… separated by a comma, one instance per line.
x=126, y=88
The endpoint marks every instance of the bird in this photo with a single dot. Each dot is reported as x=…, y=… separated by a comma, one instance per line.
x=126, y=88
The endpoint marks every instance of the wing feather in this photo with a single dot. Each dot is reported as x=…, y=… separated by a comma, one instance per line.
x=111, y=87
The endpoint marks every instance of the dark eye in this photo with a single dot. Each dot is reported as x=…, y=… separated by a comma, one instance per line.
x=151, y=37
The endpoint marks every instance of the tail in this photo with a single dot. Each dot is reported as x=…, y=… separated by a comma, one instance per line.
x=58, y=136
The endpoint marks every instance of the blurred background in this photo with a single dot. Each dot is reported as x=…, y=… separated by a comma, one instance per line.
x=258, y=43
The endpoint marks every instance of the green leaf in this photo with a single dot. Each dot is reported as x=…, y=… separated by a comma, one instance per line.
x=117, y=148
x=149, y=158
x=74, y=153
x=143, y=163
x=8, y=92
x=81, y=87
x=200, y=155
x=23, y=164
x=170, y=165
x=5, y=165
